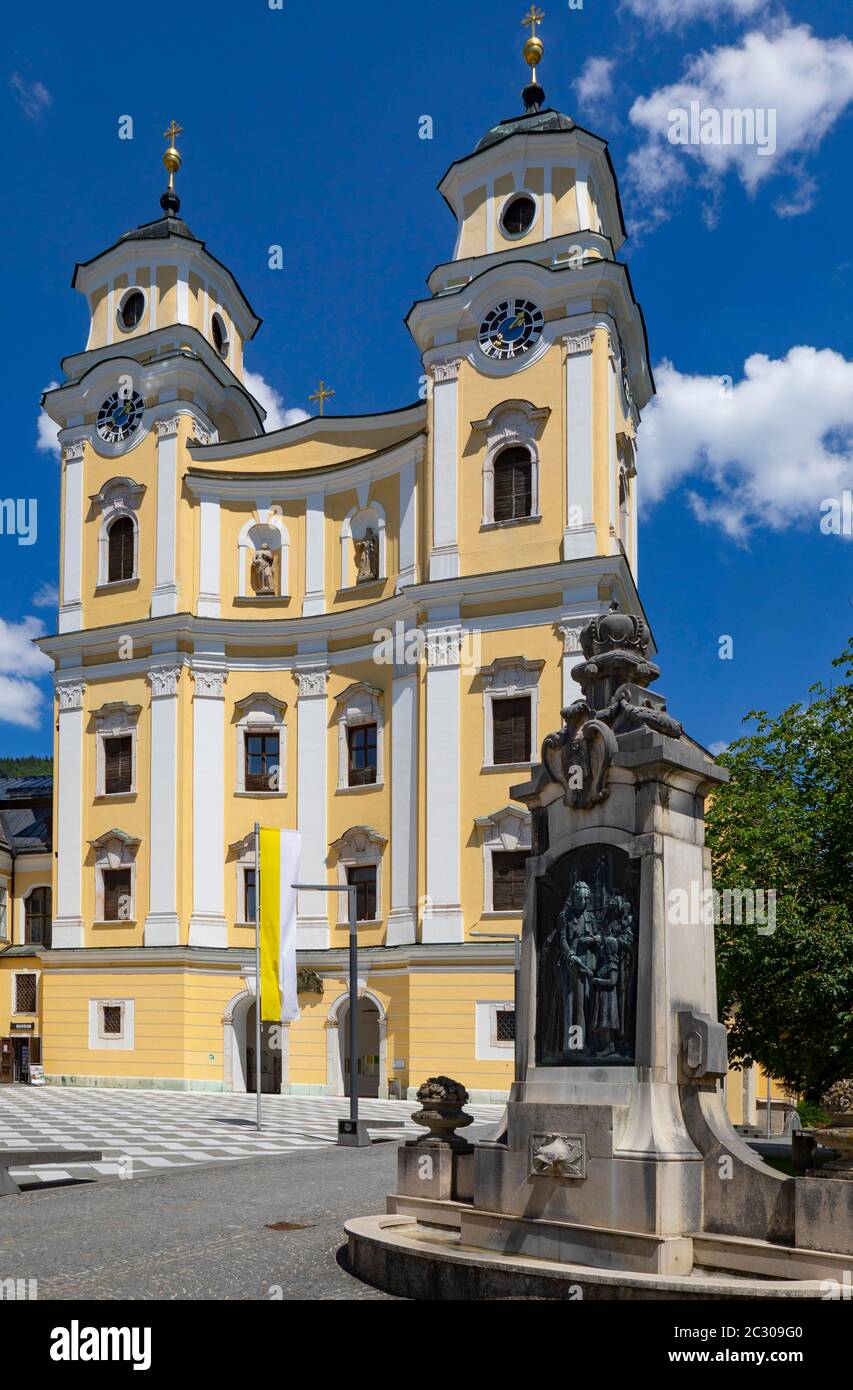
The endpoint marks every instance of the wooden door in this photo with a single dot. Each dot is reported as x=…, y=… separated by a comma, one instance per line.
x=7, y=1060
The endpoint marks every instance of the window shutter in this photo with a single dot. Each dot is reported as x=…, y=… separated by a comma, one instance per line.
x=513, y=485
x=116, y=894
x=508, y=880
x=511, y=730
x=118, y=765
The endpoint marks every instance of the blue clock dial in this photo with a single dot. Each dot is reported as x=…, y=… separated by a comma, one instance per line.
x=511, y=329
x=119, y=416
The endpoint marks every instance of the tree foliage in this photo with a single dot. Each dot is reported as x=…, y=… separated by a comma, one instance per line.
x=785, y=823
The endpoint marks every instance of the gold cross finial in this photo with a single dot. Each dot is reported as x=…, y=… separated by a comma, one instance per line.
x=533, y=17
x=322, y=394
x=172, y=158
x=174, y=129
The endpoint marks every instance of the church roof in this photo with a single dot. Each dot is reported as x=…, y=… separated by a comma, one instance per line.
x=25, y=813
x=162, y=228
x=531, y=123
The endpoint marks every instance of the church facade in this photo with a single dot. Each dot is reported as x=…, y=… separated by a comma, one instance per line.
x=358, y=627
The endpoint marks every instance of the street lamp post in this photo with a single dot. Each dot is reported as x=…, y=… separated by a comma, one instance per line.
x=351, y=1132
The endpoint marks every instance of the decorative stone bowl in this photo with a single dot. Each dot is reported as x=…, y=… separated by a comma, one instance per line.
x=441, y=1099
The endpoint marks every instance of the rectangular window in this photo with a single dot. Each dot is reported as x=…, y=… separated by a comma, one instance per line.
x=362, y=744
x=25, y=994
x=4, y=915
x=504, y=1025
x=362, y=877
x=511, y=730
x=118, y=765
x=249, y=895
x=117, y=903
x=262, y=763
x=111, y=1020
x=508, y=880
x=513, y=485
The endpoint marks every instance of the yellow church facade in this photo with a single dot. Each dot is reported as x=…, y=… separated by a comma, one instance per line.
x=358, y=627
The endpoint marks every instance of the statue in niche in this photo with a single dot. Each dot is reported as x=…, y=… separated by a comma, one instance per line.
x=587, y=975
x=367, y=557
x=263, y=570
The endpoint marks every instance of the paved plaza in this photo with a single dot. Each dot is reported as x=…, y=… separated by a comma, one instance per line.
x=142, y=1132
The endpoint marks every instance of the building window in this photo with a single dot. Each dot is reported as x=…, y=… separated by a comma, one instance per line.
x=362, y=877
x=519, y=215
x=362, y=744
x=26, y=993
x=118, y=765
x=4, y=914
x=38, y=912
x=111, y=1024
x=249, y=895
x=111, y=1018
x=511, y=730
x=121, y=547
x=117, y=899
x=131, y=309
x=262, y=763
x=508, y=880
x=504, y=1026
x=513, y=485
x=219, y=334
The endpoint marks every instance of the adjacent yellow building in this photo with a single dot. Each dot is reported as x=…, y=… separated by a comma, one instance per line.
x=359, y=627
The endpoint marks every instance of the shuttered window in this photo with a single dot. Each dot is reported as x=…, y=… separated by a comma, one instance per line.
x=121, y=547
x=362, y=742
x=511, y=730
x=118, y=765
x=508, y=880
x=513, y=485
x=38, y=911
x=362, y=877
x=262, y=763
x=117, y=905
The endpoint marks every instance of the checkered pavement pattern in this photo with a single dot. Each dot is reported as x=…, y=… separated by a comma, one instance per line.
x=141, y=1132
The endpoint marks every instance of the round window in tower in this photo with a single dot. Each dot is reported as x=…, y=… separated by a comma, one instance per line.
x=219, y=334
x=131, y=309
x=518, y=215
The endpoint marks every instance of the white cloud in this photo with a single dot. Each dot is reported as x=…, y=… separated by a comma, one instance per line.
x=671, y=13
x=594, y=86
x=47, y=596
x=766, y=450
x=21, y=700
x=32, y=97
x=279, y=416
x=717, y=749
x=797, y=85
x=47, y=435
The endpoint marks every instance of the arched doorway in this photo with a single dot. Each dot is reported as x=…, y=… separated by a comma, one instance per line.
x=271, y=1057
x=369, y=1048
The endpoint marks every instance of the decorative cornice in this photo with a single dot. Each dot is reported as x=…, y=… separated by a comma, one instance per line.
x=119, y=492
x=261, y=697
x=312, y=681
x=445, y=371
x=164, y=680
x=73, y=452
x=70, y=695
x=209, y=682
x=532, y=413
x=201, y=436
x=358, y=688
x=167, y=429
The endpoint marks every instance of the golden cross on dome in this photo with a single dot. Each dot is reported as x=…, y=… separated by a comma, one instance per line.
x=174, y=129
x=533, y=17
x=172, y=157
x=322, y=394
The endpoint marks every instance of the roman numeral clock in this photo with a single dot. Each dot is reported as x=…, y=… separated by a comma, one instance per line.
x=511, y=329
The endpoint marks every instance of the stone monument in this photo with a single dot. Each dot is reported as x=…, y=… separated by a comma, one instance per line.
x=617, y=1169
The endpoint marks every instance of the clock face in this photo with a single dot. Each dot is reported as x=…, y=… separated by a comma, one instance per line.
x=119, y=416
x=511, y=329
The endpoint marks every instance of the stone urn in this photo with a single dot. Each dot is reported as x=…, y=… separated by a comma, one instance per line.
x=441, y=1100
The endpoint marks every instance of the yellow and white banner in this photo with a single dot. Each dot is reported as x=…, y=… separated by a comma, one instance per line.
x=279, y=870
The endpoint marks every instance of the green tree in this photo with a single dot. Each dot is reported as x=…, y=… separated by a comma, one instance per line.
x=33, y=766
x=785, y=823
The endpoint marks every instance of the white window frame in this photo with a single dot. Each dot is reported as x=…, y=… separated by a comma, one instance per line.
x=507, y=831
x=4, y=912
x=512, y=424
x=244, y=850
x=261, y=713
x=119, y=497
x=100, y=1041
x=486, y=1045
x=117, y=720
x=114, y=850
x=32, y=888
x=360, y=704
x=509, y=678
x=25, y=1013
x=359, y=846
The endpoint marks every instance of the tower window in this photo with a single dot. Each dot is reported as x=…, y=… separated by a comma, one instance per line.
x=38, y=911
x=262, y=764
x=117, y=896
x=131, y=309
x=362, y=747
x=121, y=548
x=513, y=485
x=118, y=765
x=362, y=877
x=519, y=215
x=508, y=869
x=219, y=333
x=511, y=724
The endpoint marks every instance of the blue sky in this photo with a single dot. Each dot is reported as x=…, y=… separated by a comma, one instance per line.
x=301, y=128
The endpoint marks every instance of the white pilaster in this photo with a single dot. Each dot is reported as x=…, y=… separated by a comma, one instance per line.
x=444, y=557
x=579, y=531
x=315, y=555
x=71, y=611
x=164, y=599
x=403, y=918
x=207, y=923
x=162, y=927
x=68, y=909
x=312, y=910
x=635, y=508
x=209, y=556
x=612, y=459
x=570, y=631
x=442, y=916
x=408, y=527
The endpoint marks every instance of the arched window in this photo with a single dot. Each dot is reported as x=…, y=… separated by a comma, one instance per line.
x=38, y=911
x=513, y=484
x=121, y=548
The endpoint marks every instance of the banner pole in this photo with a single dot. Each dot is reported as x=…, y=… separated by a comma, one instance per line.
x=258, y=972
